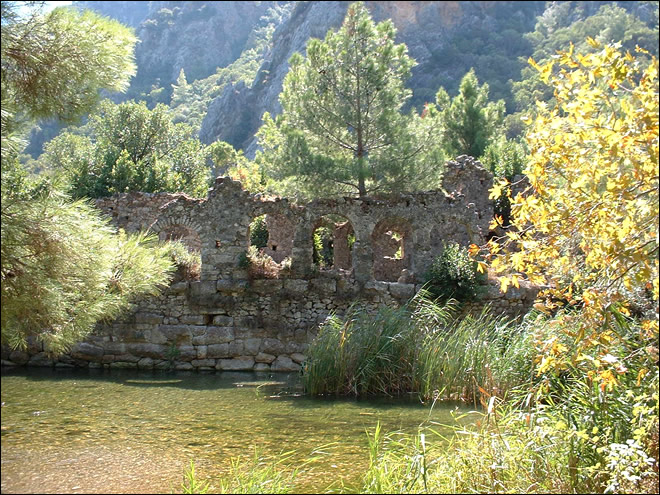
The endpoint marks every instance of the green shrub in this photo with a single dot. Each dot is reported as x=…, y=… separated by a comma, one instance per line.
x=188, y=263
x=259, y=232
x=323, y=253
x=453, y=275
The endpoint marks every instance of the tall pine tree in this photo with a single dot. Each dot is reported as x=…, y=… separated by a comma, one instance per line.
x=341, y=128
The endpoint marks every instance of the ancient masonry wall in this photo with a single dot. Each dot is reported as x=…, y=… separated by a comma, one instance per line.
x=231, y=319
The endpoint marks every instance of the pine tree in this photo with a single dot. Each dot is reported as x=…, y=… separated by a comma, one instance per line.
x=470, y=121
x=341, y=128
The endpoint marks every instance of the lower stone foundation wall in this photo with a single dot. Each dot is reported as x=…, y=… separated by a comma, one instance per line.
x=261, y=325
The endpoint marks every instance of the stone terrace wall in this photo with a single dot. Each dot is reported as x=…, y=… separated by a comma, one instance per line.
x=229, y=320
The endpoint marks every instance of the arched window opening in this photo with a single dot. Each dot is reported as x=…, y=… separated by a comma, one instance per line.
x=270, y=246
x=188, y=260
x=187, y=236
x=333, y=239
x=392, y=243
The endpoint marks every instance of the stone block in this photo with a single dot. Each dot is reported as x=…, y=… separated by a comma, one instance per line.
x=128, y=358
x=148, y=318
x=241, y=363
x=272, y=346
x=251, y=346
x=236, y=348
x=187, y=353
x=183, y=366
x=262, y=357
x=145, y=363
x=223, y=321
x=261, y=367
x=206, y=363
x=232, y=285
x=297, y=357
x=178, y=288
x=123, y=365
x=217, y=351
x=84, y=350
x=201, y=351
x=114, y=348
x=202, y=289
x=179, y=334
x=323, y=285
x=156, y=351
x=284, y=363
x=214, y=335
x=266, y=286
x=402, y=291
x=19, y=357
x=376, y=286
x=193, y=319
x=296, y=285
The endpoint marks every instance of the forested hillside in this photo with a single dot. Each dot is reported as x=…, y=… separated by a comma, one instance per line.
x=220, y=65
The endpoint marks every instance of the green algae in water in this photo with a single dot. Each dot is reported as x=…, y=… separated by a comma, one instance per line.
x=128, y=431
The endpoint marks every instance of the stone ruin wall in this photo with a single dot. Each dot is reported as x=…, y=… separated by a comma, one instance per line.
x=230, y=320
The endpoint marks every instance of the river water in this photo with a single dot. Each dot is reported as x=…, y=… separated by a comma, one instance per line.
x=128, y=431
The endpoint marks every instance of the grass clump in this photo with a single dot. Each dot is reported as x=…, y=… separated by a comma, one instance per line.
x=418, y=348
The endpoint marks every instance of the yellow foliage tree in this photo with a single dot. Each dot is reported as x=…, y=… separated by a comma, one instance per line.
x=587, y=225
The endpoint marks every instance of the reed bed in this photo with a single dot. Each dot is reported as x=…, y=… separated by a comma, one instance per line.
x=420, y=348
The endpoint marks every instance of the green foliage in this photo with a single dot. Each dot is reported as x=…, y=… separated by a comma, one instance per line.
x=323, y=254
x=128, y=147
x=341, y=128
x=53, y=65
x=259, y=232
x=454, y=275
x=190, y=482
x=561, y=24
x=418, y=348
x=188, y=263
x=260, y=265
x=259, y=474
x=64, y=269
x=505, y=159
x=172, y=354
x=470, y=122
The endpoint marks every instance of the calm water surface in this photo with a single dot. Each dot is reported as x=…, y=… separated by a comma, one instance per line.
x=128, y=431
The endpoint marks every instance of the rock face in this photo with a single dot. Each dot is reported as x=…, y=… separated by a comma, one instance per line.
x=427, y=28
x=197, y=37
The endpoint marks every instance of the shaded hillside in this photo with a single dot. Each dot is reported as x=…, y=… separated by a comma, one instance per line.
x=195, y=36
x=446, y=39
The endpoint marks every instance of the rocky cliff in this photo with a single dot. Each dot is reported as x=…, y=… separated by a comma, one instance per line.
x=197, y=37
x=444, y=38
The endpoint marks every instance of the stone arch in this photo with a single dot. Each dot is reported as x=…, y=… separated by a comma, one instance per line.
x=392, y=243
x=280, y=234
x=337, y=243
x=179, y=230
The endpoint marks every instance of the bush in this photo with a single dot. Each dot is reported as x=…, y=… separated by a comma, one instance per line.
x=260, y=265
x=189, y=264
x=453, y=275
x=259, y=232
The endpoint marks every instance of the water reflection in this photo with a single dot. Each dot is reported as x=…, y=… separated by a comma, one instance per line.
x=127, y=431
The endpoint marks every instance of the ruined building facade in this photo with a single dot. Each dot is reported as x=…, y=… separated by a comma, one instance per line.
x=235, y=319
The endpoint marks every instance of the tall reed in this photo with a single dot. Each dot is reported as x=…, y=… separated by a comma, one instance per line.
x=418, y=348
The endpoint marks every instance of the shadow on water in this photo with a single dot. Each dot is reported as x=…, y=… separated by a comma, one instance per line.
x=284, y=383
